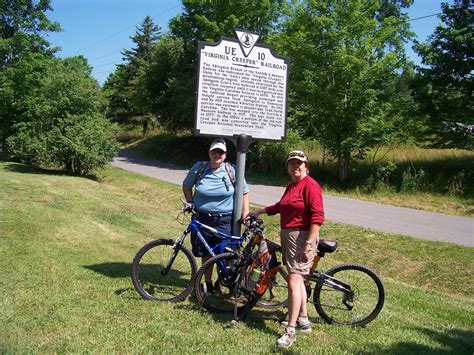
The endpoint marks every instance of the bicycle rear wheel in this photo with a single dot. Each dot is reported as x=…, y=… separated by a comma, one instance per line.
x=359, y=306
x=225, y=270
x=162, y=271
x=276, y=295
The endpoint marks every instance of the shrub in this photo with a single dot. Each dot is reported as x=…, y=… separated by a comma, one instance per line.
x=381, y=178
x=80, y=144
x=270, y=156
x=412, y=180
x=458, y=185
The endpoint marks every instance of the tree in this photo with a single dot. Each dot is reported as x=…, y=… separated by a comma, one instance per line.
x=22, y=24
x=55, y=106
x=346, y=54
x=203, y=21
x=121, y=87
x=444, y=87
x=163, y=84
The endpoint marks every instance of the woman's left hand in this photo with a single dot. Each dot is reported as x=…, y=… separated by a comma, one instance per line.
x=307, y=252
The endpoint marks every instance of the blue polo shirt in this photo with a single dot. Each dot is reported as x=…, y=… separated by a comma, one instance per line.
x=214, y=191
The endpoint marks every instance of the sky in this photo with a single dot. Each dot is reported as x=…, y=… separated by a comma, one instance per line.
x=100, y=29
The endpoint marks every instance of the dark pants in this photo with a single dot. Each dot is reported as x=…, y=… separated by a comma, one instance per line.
x=221, y=223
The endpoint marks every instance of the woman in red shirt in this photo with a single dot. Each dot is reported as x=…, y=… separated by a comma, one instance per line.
x=301, y=215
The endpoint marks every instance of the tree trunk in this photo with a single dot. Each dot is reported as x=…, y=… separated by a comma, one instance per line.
x=343, y=168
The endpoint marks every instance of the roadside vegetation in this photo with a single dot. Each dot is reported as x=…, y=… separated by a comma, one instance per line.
x=68, y=242
x=438, y=180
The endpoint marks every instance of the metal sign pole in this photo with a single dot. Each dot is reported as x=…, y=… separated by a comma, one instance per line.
x=242, y=149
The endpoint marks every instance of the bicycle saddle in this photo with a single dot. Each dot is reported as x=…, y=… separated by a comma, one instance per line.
x=327, y=245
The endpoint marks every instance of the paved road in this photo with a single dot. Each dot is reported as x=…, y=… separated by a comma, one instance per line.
x=391, y=219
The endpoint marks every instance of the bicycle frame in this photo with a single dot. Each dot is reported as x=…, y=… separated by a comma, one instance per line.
x=229, y=240
x=226, y=245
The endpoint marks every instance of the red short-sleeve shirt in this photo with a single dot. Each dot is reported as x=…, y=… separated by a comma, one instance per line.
x=300, y=206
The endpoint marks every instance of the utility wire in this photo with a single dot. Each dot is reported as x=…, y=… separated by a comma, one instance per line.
x=121, y=31
x=422, y=17
x=108, y=71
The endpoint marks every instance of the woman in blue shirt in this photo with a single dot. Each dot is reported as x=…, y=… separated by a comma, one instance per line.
x=213, y=198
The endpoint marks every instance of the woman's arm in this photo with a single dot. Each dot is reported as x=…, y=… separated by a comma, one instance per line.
x=312, y=241
x=188, y=194
x=245, y=205
x=256, y=213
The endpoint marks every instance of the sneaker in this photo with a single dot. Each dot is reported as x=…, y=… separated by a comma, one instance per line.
x=304, y=326
x=207, y=287
x=287, y=339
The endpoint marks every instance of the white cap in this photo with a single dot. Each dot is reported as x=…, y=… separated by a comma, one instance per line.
x=297, y=154
x=219, y=143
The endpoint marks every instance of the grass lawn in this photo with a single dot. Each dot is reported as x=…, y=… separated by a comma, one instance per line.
x=67, y=244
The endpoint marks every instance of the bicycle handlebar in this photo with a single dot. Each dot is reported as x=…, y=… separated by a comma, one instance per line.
x=251, y=222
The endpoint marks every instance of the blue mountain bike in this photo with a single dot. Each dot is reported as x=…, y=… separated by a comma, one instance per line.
x=164, y=269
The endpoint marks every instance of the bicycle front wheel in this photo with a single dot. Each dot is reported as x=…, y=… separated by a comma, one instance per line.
x=352, y=295
x=276, y=295
x=163, y=271
x=222, y=298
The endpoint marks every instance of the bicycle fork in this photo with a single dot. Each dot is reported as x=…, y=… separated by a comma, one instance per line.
x=176, y=246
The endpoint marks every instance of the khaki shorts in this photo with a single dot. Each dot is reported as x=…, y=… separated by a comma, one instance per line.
x=292, y=244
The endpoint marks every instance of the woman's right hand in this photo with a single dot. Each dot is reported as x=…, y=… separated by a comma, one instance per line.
x=256, y=213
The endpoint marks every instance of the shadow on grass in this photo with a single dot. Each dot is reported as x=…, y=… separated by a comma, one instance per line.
x=255, y=318
x=29, y=169
x=153, y=282
x=112, y=269
x=453, y=341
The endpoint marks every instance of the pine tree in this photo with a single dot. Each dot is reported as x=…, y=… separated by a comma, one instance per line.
x=445, y=85
x=121, y=86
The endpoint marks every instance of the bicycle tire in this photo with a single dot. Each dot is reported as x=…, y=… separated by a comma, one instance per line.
x=276, y=295
x=148, y=278
x=221, y=300
x=367, y=300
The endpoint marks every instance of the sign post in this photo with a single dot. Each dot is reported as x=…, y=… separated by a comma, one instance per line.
x=242, y=95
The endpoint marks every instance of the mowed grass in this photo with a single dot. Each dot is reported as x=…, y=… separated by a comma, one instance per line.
x=67, y=244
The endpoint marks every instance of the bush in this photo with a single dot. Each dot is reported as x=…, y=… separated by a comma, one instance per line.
x=412, y=180
x=79, y=144
x=270, y=156
x=458, y=185
x=381, y=178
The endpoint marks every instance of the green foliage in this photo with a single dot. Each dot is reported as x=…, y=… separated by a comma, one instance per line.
x=444, y=87
x=413, y=180
x=65, y=132
x=79, y=144
x=162, y=84
x=170, y=76
x=459, y=183
x=127, y=103
x=347, y=55
x=381, y=178
x=271, y=156
x=22, y=24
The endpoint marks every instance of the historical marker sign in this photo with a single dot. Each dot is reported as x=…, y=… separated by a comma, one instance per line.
x=242, y=89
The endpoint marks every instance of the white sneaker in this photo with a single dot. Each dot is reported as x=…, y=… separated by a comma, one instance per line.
x=287, y=339
x=303, y=327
